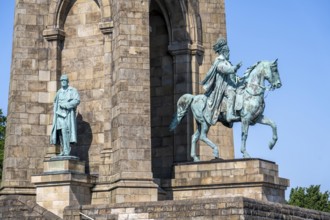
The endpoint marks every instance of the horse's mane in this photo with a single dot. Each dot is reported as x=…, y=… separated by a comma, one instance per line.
x=248, y=71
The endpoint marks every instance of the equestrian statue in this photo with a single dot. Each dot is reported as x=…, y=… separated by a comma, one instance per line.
x=229, y=99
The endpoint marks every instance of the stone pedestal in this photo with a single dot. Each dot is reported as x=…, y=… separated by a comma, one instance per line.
x=125, y=190
x=63, y=183
x=252, y=178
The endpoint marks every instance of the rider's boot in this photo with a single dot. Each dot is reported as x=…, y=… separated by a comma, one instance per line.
x=230, y=116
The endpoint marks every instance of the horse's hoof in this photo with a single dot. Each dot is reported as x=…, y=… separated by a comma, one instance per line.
x=246, y=155
x=196, y=159
x=272, y=144
x=216, y=153
x=217, y=159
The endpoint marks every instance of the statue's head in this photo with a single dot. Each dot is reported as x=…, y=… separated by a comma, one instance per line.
x=64, y=81
x=221, y=47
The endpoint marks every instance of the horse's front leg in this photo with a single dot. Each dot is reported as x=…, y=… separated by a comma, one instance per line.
x=266, y=121
x=203, y=137
x=194, y=140
x=245, y=130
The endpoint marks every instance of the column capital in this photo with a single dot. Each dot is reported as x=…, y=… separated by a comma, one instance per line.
x=106, y=27
x=53, y=34
x=181, y=48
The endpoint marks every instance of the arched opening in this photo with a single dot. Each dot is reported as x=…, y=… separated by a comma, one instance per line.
x=82, y=59
x=161, y=94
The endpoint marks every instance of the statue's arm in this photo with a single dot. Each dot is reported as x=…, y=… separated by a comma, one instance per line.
x=73, y=102
x=226, y=68
x=55, y=103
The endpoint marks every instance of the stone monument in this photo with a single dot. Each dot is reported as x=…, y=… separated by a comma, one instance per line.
x=129, y=70
x=130, y=61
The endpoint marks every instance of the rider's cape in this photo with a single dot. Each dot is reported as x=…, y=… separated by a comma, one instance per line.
x=215, y=84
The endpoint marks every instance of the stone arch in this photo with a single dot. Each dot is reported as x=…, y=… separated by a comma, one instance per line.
x=166, y=17
x=161, y=89
x=183, y=20
x=194, y=22
x=82, y=59
x=59, y=9
x=78, y=47
x=173, y=71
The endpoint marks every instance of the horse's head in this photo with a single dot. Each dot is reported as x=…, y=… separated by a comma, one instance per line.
x=272, y=75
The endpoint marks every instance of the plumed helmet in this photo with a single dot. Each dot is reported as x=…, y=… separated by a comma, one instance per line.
x=64, y=77
x=219, y=44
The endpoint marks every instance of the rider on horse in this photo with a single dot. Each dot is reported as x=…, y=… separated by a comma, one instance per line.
x=220, y=81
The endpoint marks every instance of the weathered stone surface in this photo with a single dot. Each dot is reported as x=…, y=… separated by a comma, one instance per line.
x=234, y=208
x=63, y=183
x=252, y=178
x=23, y=207
x=130, y=67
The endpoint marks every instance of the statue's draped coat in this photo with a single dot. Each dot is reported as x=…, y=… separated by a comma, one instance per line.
x=70, y=119
x=215, y=85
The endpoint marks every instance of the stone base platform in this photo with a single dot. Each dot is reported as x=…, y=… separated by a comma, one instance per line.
x=234, y=208
x=252, y=178
x=63, y=183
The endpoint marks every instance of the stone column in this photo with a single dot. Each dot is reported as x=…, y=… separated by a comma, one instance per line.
x=130, y=177
x=29, y=95
x=186, y=76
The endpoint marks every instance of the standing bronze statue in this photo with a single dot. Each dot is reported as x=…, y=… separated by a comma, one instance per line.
x=64, y=130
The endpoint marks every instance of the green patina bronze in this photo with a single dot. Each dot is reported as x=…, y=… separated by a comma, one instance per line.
x=64, y=130
x=222, y=88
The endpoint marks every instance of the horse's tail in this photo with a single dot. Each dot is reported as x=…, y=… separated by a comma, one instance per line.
x=183, y=105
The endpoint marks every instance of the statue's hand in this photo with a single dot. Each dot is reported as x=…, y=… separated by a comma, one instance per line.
x=239, y=65
x=63, y=106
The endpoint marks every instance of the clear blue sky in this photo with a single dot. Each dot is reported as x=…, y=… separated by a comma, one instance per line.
x=297, y=32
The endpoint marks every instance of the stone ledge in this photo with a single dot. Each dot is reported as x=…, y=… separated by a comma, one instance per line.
x=179, y=48
x=17, y=191
x=231, y=208
x=53, y=34
x=224, y=161
x=63, y=164
x=62, y=178
x=253, y=178
x=106, y=27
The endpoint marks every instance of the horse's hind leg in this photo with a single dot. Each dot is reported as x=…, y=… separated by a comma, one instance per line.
x=245, y=130
x=194, y=140
x=266, y=121
x=203, y=137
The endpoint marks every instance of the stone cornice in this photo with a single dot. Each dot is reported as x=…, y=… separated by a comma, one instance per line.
x=54, y=34
x=186, y=48
x=106, y=27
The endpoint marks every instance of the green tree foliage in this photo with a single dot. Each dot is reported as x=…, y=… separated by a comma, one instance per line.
x=2, y=138
x=311, y=198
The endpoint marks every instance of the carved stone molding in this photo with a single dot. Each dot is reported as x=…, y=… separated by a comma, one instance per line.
x=106, y=27
x=54, y=34
x=186, y=48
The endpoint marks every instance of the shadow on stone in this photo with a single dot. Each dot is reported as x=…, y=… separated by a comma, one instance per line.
x=85, y=138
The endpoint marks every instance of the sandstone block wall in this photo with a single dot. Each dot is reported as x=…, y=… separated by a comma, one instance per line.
x=235, y=208
x=130, y=61
x=251, y=178
x=23, y=207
